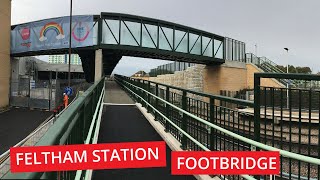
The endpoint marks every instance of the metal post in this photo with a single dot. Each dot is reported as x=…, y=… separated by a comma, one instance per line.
x=70, y=32
x=256, y=113
x=167, y=109
x=212, y=130
x=256, y=108
x=149, y=90
x=287, y=79
x=156, y=106
x=184, y=120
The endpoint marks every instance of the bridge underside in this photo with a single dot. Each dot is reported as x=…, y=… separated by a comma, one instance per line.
x=112, y=55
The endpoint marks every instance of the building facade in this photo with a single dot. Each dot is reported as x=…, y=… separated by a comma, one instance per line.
x=5, y=19
x=64, y=59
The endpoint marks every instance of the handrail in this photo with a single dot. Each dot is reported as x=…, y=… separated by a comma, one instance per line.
x=177, y=127
x=94, y=121
x=284, y=153
x=209, y=95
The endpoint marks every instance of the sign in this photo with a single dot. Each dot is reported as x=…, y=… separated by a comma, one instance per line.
x=225, y=162
x=52, y=34
x=68, y=91
x=90, y=156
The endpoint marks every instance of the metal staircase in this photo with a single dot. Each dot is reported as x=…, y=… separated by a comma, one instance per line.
x=267, y=66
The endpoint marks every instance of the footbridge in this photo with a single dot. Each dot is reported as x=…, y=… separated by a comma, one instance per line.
x=102, y=40
x=130, y=110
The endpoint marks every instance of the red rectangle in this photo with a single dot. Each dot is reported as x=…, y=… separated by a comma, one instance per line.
x=93, y=156
x=225, y=162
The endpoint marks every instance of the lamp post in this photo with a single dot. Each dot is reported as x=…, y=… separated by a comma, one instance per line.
x=287, y=79
x=256, y=49
x=70, y=32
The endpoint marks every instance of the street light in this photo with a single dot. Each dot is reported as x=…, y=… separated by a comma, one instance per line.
x=70, y=32
x=287, y=79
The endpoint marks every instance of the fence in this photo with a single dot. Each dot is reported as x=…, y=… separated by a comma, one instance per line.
x=199, y=122
x=289, y=120
x=170, y=68
x=41, y=94
x=26, y=92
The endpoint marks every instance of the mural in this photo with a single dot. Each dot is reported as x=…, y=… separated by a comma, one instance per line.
x=52, y=34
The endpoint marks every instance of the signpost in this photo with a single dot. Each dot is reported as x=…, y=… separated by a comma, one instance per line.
x=68, y=91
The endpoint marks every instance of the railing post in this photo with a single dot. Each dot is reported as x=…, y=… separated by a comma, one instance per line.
x=156, y=104
x=184, y=120
x=140, y=92
x=256, y=108
x=212, y=120
x=167, y=109
x=149, y=90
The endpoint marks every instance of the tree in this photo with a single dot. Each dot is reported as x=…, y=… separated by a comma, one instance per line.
x=304, y=70
x=298, y=69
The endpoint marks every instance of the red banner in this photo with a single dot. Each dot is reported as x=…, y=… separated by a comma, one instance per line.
x=93, y=156
x=225, y=163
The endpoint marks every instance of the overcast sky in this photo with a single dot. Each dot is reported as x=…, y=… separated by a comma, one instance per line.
x=271, y=24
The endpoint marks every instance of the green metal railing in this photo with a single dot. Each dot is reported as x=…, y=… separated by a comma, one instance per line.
x=200, y=123
x=290, y=118
x=73, y=126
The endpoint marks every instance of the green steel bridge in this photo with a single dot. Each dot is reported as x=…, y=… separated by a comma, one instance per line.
x=129, y=35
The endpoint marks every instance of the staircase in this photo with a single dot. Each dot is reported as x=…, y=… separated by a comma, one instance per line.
x=267, y=66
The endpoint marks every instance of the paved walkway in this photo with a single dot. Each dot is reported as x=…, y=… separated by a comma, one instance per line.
x=16, y=124
x=127, y=124
x=114, y=94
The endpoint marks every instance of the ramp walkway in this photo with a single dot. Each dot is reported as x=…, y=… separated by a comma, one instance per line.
x=125, y=123
x=16, y=124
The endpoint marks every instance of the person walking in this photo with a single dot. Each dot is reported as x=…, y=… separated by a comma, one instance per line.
x=65, y=100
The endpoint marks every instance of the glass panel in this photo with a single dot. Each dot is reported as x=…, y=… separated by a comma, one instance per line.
x=194, y=44
x=218, y=49
x=206, y=46
x=164, y=37
x=146, y=39
x=107, y=37
x=95, y=33
x=130, y=35
x=183, y=46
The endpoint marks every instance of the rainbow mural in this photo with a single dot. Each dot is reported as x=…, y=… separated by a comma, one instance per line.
x=51, y=26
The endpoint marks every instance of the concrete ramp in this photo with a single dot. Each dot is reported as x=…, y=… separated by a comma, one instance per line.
x=115, y=95
x=128, y=124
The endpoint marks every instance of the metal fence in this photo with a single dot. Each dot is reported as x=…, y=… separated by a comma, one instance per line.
x=201, y=121
x=42, y=94
x=170, y=68
x=289, y=120
x=26, y=92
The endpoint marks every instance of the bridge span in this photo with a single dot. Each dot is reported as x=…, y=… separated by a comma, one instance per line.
x=102, y=40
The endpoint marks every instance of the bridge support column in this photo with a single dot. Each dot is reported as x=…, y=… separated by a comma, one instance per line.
x=5, y=68
x=98, y=65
